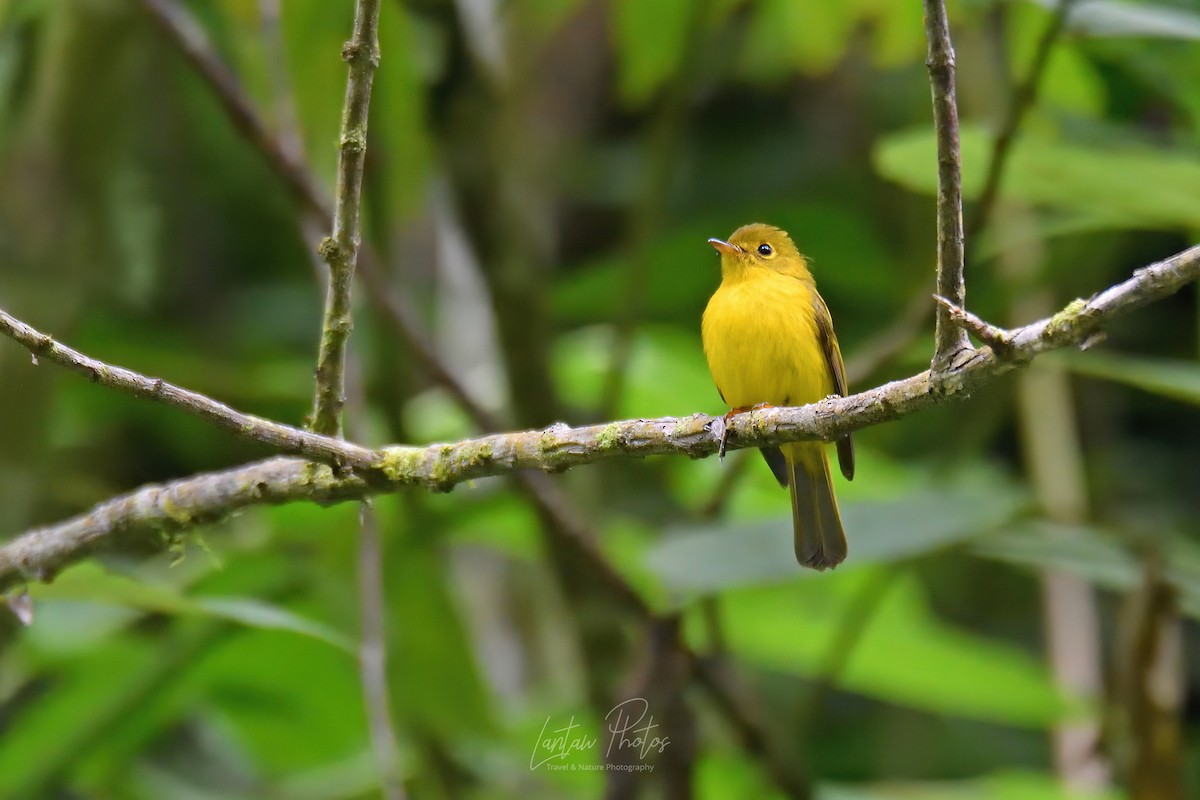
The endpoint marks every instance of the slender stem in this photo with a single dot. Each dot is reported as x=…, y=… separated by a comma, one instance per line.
x=994, y=337
x=855, y=619
x=787, y=774
x=340, y=250
x=282, y=437
x=949, y=338
x=372, y=654
x=1056, y=472
x=1024, y=97
x=395, y=310
x=1150, y=688
x=888, y=344
x=183, y=31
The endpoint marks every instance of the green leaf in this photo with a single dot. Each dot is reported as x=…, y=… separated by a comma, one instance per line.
x=41, y=735
x=650, y=42
x=289, y=703
x=712, y=558
x=1006, y=785
x=1178, y=380
x=429, y=634
x=91, y=582
x=1132, y=187
x=806, y=35
x=1071, y=548
x=666, y=374
x=682, y=271
x=256, y=614
x=1111, y=18
x=1070, y=79
x=1096, y=556
x=905, y=654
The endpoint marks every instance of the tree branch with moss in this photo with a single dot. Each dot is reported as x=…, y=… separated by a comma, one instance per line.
x=346, y=471
x=340, y=249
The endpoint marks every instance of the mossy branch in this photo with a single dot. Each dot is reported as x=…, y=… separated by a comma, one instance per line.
x=949, y=337
x=151, y=511
x=340, y=250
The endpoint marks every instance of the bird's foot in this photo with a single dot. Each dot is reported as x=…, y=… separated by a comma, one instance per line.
x=724, y=435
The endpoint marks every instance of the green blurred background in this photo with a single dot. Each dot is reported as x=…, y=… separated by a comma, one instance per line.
x=541, y=179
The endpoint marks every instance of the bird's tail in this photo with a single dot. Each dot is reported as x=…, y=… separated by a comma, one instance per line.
x=819, y=537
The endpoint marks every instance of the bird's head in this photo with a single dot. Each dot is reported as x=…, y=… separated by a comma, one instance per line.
x=759, y=246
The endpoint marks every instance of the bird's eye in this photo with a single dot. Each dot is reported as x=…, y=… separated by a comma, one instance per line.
x=764, y=249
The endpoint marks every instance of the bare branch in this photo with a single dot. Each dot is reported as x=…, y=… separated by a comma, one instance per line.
x=886, y=345
x=200, y=499
x=179, y=26
x=786, y=773
x=340, y=250
x=372, y=655
x=183, y=32
x=949, y=338
x=282, y=437
x=989, y=334
x=1024, y=97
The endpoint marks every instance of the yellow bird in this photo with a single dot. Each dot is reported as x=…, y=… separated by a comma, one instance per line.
x=769, y=341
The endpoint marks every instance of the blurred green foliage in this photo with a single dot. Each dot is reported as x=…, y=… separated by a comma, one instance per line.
x=139, y=226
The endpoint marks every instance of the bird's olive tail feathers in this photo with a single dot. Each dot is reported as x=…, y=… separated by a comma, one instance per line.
x=819, y=538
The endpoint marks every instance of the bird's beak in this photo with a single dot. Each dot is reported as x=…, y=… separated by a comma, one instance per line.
x=724, y=248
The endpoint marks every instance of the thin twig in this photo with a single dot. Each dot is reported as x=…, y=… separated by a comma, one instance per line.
x=787, y=774
x=372, y=655
x=853, y=624
x=340, y=250
x=284, y=438
x=282, y=96
x=202, y=498
x=181, y=28
x=1150, y=688
x=1024, y=96
x=996, y=338
x=372, y=604
x=949, y=338
x=394, y=309
x=885, y=346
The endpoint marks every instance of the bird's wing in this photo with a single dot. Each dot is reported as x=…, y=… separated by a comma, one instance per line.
x=833, y=360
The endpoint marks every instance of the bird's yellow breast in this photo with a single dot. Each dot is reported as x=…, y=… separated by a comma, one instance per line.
x=761, y=341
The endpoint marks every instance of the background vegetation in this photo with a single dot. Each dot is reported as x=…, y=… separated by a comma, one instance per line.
x=541, y=178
